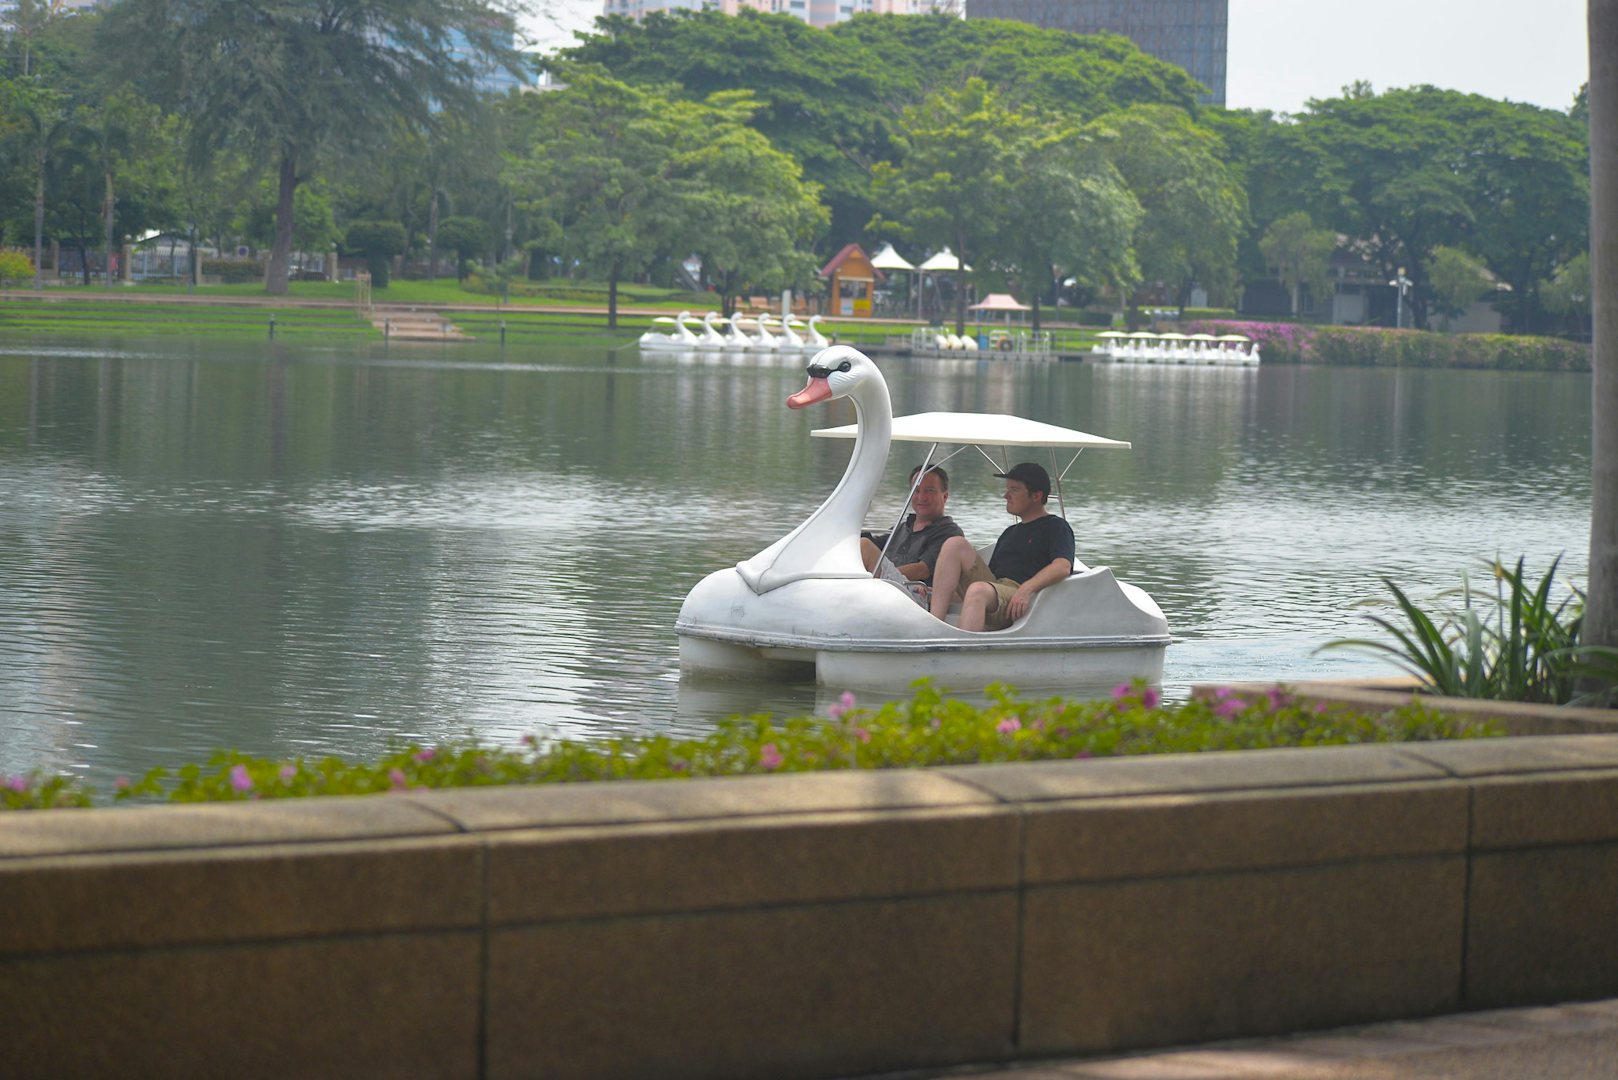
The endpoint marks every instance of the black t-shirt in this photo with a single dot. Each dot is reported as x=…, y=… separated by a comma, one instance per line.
x=1030, y=546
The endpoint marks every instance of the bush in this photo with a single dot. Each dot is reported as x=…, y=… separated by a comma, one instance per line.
x=1367, y=346
x=15, y=268
x=233, y=271
x=929, y=729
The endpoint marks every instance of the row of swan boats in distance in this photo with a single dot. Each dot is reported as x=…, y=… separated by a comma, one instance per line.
x=1144, y=347
x=717, y=333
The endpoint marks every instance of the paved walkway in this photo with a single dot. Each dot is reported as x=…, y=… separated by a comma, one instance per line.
x=1569, y=1042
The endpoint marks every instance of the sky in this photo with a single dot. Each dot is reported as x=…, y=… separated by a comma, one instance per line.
x=1284, y=52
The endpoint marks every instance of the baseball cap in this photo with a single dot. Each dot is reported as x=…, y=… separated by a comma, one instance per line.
x=1029, y=475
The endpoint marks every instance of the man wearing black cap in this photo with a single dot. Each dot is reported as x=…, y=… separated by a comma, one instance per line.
x=1033, y=554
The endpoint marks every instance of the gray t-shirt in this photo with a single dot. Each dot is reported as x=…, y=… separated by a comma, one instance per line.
x=923, y=547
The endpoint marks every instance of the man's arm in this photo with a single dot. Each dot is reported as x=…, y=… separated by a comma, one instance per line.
x=1057, y=570
x=927, y=557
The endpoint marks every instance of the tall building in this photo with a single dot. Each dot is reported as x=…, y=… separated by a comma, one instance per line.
x=813, y=12
x=1188, y=33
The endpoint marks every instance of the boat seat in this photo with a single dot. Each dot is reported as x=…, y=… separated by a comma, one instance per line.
x=986, y=552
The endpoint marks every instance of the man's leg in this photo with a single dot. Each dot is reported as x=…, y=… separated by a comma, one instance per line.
x=869, y=554
x=955, y=562
x=981, y=598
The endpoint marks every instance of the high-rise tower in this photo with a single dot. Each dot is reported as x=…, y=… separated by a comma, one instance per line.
x=1189, y=33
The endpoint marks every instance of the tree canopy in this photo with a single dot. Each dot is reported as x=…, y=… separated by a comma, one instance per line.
x=289, y=81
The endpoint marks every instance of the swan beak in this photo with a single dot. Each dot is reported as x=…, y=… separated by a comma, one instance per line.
x=817, y=390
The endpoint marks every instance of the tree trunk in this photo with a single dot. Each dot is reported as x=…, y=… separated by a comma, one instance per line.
x=1036, y=313
x=275, y=275
x=1601, y=612
x=39, y=221
x=612, y=298
x=107, y=205
x=432, y=236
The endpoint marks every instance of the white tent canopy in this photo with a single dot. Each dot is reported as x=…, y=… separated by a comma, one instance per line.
x=981, y=429
x=888, y=259
x=944, y=261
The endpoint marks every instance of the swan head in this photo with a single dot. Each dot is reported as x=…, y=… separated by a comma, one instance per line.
x=833, y=373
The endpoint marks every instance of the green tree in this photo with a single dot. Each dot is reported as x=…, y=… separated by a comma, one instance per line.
x=1457, y=280
x=42, y=120
x=620, y=182
x=959, y=152
x=753, y=218
x=1568, y=291
x=378, y=242
x=1069, y=214
x=118, y=129
x=466, y=237
x=297, y=79
x=603, y=167
x=314, y=227
x=832, y=98
x=1193, y=209
x=1384, y=170
x=1300, y=254
x=1527, y=181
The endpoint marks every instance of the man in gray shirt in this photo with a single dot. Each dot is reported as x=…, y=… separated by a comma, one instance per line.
x=914, y=551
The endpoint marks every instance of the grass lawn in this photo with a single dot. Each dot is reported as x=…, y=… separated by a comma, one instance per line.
x=529, y=319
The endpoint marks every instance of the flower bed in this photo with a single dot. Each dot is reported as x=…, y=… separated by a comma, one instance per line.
x=929, y=729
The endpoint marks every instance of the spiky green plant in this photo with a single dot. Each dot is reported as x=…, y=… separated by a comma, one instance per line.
x=1524, y=646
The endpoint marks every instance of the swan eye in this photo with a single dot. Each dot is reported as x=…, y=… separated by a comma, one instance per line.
x=818, y=372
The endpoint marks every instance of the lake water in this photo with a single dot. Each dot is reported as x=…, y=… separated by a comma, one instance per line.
x=296, y=550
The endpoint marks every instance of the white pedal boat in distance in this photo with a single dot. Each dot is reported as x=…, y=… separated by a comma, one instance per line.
x=806, y=607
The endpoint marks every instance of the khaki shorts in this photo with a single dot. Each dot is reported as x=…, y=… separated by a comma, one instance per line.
x=1004, y=588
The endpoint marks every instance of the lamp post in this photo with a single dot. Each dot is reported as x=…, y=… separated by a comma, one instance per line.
x=1403, y=284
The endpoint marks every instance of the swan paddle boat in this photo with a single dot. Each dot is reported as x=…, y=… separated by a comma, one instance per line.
x=806, y=606
x=681, y=340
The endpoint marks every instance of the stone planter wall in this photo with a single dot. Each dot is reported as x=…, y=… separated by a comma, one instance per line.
x=809, y=926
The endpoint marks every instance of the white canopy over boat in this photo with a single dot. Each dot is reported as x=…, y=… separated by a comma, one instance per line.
x=980, y=429
x=807, y=602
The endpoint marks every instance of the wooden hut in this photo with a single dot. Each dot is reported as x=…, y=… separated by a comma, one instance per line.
x=850, y=280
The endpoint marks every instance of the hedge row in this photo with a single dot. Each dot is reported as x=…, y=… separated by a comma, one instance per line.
x=1364, y=346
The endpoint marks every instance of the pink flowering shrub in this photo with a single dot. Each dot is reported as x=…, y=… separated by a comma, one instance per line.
x=930, y=728
x=1373, y=346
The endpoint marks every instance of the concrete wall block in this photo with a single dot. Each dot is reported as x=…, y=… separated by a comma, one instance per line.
x=238, y=894
x=1542, y=926
x=832, y=990
x=1476, y=758
x=1190, y=774
x=631, y=801
x=1110, y=839
x=347, y=1009
x=207, y=825
x=1191, y=959
x=628, y=870
x=1545, y=810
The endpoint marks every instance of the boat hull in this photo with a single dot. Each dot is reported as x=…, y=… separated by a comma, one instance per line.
x=1087, y=634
